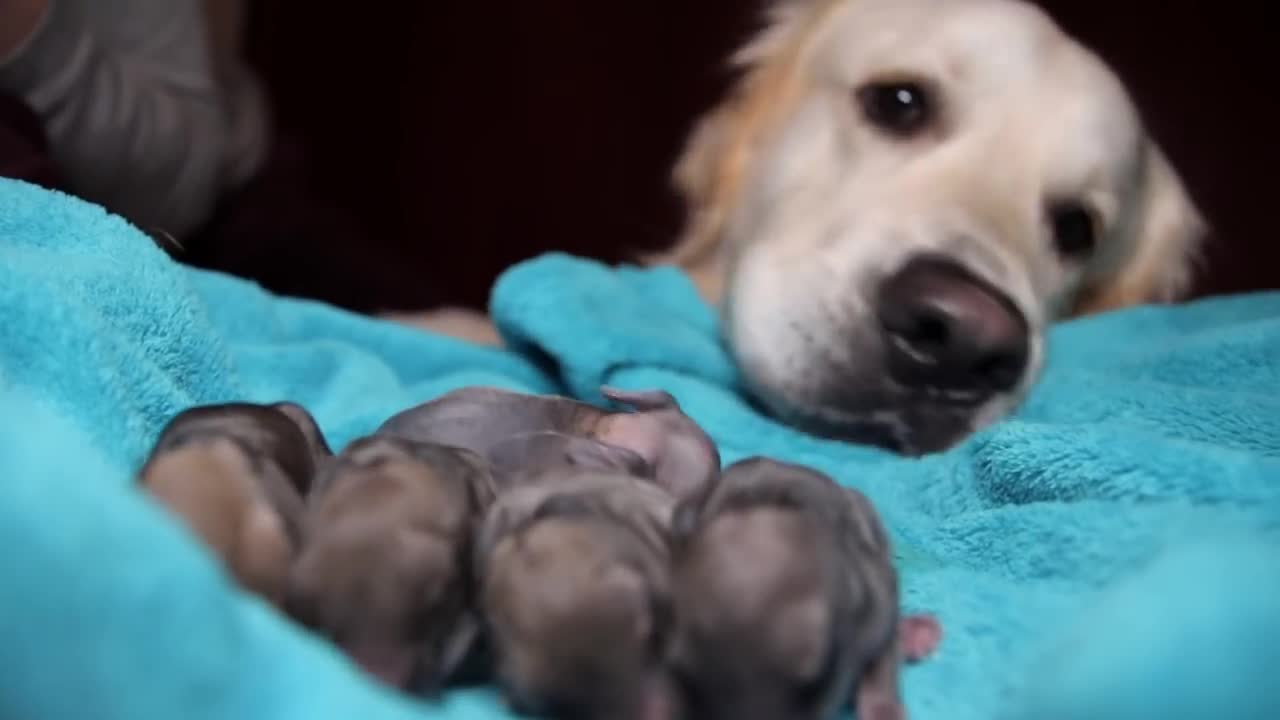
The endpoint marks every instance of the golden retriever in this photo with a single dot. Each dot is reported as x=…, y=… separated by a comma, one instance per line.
x=899, y=196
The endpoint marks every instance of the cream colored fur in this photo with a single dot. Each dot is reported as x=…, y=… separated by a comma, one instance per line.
x=797, y=206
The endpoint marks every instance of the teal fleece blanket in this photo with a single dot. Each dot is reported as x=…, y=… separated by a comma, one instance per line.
x=1112, y=551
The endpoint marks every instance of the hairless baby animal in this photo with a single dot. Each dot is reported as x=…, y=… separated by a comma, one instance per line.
x=575, y=592
x=234, y=473
x=786, y=600
x=385, y=571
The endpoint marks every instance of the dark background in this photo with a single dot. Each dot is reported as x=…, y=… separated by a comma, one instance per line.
x=429, y=145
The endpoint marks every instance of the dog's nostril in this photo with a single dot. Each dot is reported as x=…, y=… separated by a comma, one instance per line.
x=929, y=333
x=1001, y=371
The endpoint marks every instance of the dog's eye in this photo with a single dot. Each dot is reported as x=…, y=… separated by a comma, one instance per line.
x=900, y=107
x=1074, y=233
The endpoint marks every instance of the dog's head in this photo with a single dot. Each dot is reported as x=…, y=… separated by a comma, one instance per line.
x=899, y=197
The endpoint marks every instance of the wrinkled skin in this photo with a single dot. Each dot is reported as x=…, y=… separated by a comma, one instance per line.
x=679, y=454
x=524, y=458
x=234, y=474
x=575, y=592
x=786, y=602
x=385, y=572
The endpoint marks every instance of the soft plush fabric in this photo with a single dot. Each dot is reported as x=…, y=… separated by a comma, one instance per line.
x=1112, y=552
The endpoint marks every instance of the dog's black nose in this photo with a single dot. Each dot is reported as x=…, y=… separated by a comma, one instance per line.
x=948, y=330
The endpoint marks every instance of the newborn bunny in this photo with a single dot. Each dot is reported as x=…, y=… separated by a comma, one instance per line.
x=384, y=573
x=786, y=602
x=234, y=473
x=682, y=457
x=573, y=574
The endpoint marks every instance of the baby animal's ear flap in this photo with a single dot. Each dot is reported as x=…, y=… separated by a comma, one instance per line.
x=643, y=400
x=1161, y=247
x=605, y=456
x=307, y=423
x=684, y=519
x=498, y=523
x=461, y=646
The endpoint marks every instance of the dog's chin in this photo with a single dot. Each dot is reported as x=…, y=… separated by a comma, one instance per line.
x=905, y=425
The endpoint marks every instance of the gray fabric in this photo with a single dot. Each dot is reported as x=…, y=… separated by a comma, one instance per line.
x=135, y=117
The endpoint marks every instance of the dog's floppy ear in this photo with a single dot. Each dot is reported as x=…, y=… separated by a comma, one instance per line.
x=701, y=177
x=718, y=151
x=707, y=161
x=1167, y=231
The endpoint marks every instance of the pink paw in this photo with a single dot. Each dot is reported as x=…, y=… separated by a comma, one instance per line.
x=878, y=709
x=920, y=635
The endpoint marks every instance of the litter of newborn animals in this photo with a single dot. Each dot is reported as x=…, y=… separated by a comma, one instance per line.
x=593, y=563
